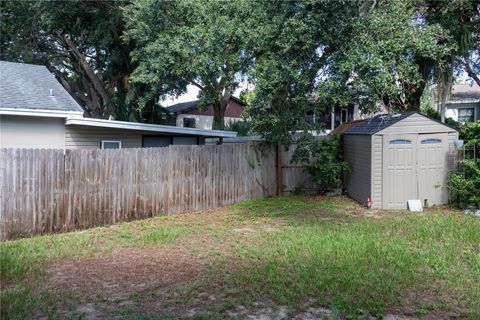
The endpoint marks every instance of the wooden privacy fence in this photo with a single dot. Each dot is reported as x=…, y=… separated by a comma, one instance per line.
x=44, y=191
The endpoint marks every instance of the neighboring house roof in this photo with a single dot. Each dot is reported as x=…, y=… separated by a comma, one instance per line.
x=27, y=87
x=25, y=90
x=91, y=122
x=183, y=107
x=192, y=105
x=465, y=93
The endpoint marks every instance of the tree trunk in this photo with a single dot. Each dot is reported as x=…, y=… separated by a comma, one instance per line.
x=100, y=101
x=444, y=80
x=414, y=97
x=219, y=108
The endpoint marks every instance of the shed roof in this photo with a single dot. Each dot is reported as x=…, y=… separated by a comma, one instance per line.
x=382, y=121
x=377, y=123
x=27, y=87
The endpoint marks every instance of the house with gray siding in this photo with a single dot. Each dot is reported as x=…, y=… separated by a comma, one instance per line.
x=398, y=157
x=37, y=112
x=463, y=104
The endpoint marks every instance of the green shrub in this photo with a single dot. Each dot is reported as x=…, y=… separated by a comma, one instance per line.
x=328, y=167
x=430, y=112
x=471, y=133
x=452, y=123
x=242, y=128
x=464, y=184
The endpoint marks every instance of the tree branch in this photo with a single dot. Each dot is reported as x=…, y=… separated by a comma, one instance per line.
x=197, y=85
x=88, y=72
x=470, y=71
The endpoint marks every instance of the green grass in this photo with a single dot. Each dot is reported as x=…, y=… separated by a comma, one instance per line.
x=365, y=265
x=28, y=257
x=23, y=303
x=285, y=206
x=296, y=249
x=161, y=235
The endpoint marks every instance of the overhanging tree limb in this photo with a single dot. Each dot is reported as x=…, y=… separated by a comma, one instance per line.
x=470, y=71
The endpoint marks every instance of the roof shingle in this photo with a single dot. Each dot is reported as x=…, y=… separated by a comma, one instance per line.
x=465, y=93
x=27, y=86
x=377, y=123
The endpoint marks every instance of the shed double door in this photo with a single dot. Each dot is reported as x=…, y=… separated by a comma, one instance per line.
x=414, y=167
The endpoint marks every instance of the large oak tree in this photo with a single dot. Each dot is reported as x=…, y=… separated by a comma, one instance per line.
x=81, y=43
x=207, y=44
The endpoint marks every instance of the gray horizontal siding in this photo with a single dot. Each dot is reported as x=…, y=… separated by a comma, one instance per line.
x=90, y=137
x=357, y=152
x=31, y=132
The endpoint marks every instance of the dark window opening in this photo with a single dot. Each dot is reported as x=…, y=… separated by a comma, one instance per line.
x=466, y=115
x=111, y=144
x=189, y=122
x=156, y=141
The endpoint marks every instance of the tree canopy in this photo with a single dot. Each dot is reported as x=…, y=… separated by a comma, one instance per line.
x=81, y=43
x=302, y=57
x=208, y=44
x=378, y=53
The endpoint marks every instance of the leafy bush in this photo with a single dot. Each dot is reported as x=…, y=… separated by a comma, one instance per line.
x=242, y=128
x=452, y=123
x=464, y=184
x=471, y=133
x=430, y=112
x=324, y=159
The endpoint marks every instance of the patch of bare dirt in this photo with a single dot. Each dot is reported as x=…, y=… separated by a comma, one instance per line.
x=125, y=271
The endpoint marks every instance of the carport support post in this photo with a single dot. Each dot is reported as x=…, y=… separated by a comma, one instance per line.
x=279, y=170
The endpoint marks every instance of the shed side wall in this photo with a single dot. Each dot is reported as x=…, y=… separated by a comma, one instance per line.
x=357, y=152
x=377, y=171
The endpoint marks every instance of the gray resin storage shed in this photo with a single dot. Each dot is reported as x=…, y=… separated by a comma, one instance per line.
x=398, y=157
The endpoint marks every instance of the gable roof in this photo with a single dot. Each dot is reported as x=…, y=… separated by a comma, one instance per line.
x=382, y=121
x=465, y=93
x=192, y=105
x=183, y=107
x=27, y=87
x=378, y=123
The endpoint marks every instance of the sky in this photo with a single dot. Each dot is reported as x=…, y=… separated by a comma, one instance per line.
x=192, y=93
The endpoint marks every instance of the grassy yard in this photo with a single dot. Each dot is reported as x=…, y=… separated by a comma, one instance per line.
x=283, y=257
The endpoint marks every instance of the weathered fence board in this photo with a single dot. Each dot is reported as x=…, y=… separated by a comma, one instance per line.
x=44, y=191
x=294, y=175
